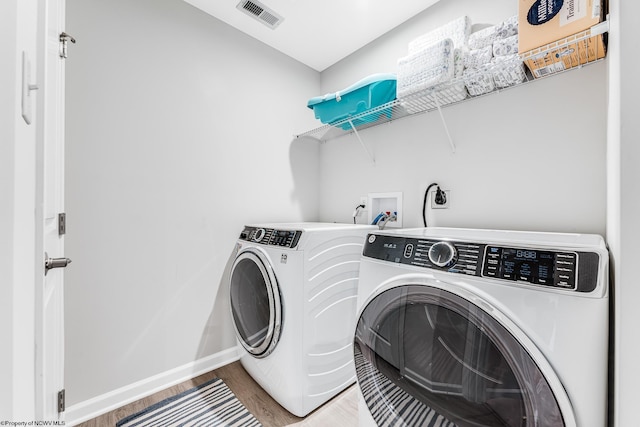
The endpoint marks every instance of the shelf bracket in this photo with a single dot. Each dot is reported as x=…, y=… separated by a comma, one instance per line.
x=373, y=160
x=444, y=123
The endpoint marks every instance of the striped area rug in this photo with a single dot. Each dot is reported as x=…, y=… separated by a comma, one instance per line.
x=397, y=408
x=209, y=404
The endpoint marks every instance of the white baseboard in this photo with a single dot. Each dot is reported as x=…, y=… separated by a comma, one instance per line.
x=89, y=409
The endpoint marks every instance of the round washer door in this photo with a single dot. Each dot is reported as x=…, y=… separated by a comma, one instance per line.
x=255, y=303
x=428, y=356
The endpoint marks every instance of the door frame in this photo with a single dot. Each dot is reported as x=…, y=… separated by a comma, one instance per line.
x=21, y=255
x=49, y=156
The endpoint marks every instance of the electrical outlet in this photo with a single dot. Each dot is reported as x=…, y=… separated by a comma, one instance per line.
x=434, y=205
x=362, y=211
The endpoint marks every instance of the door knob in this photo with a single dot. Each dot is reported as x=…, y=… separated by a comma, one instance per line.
x=50, y=263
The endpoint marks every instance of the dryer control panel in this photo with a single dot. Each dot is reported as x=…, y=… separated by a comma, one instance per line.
x=542, y=267
x=454, y=257
x=561, y=269
x=271, y=236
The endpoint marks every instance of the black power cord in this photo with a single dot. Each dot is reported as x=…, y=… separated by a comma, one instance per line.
x=424, y=203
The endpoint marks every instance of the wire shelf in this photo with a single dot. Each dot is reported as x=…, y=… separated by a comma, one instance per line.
x=562, y=56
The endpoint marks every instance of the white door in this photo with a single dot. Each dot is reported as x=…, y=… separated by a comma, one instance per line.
x=50, y=203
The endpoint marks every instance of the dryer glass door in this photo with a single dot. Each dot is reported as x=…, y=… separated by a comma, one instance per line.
x=255, y=303
x=425, y=354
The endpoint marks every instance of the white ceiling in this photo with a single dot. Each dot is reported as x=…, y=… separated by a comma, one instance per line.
x=318, y=33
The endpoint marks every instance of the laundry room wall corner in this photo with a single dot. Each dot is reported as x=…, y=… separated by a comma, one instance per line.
x=304, y=158
x=623, y=228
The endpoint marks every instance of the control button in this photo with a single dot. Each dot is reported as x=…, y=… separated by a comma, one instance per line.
x=492, y=261
x=524, y=278
x=408, y=250
x=566, y=256
x=442, y=254
x=490, y=273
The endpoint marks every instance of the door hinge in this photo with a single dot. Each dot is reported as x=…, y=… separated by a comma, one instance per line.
x=61, y=401
x=62, y=224
x=64, y=39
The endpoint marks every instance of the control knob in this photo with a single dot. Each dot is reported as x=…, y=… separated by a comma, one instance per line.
x=259, y=235
x=442, y=254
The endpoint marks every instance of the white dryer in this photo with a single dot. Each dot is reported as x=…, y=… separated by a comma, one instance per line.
x=482, y=328
x=293, y=292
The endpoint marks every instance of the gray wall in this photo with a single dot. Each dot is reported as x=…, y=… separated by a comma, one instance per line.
x=529, y=158
x=173, y=118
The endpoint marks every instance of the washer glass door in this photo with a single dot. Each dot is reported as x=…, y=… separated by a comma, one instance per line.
x=255, y=303
x=425, y=355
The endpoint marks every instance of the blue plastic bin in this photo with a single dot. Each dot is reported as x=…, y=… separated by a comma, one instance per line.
x=368, y=93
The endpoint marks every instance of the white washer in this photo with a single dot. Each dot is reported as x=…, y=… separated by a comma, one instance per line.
x=293, y=292
x=482, y=328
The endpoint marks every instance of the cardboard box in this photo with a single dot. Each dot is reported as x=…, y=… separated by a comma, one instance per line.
x=564, y=54
x=541, y=22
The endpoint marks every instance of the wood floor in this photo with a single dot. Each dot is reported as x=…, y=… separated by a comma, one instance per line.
x=342, y=410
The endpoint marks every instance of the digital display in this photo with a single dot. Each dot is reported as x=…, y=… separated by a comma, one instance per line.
x=522, y=253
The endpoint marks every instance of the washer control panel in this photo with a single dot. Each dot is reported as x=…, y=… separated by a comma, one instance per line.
x=271, y=236
x=560, y=269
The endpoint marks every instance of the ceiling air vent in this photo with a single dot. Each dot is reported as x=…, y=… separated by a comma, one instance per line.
x=260, y=12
